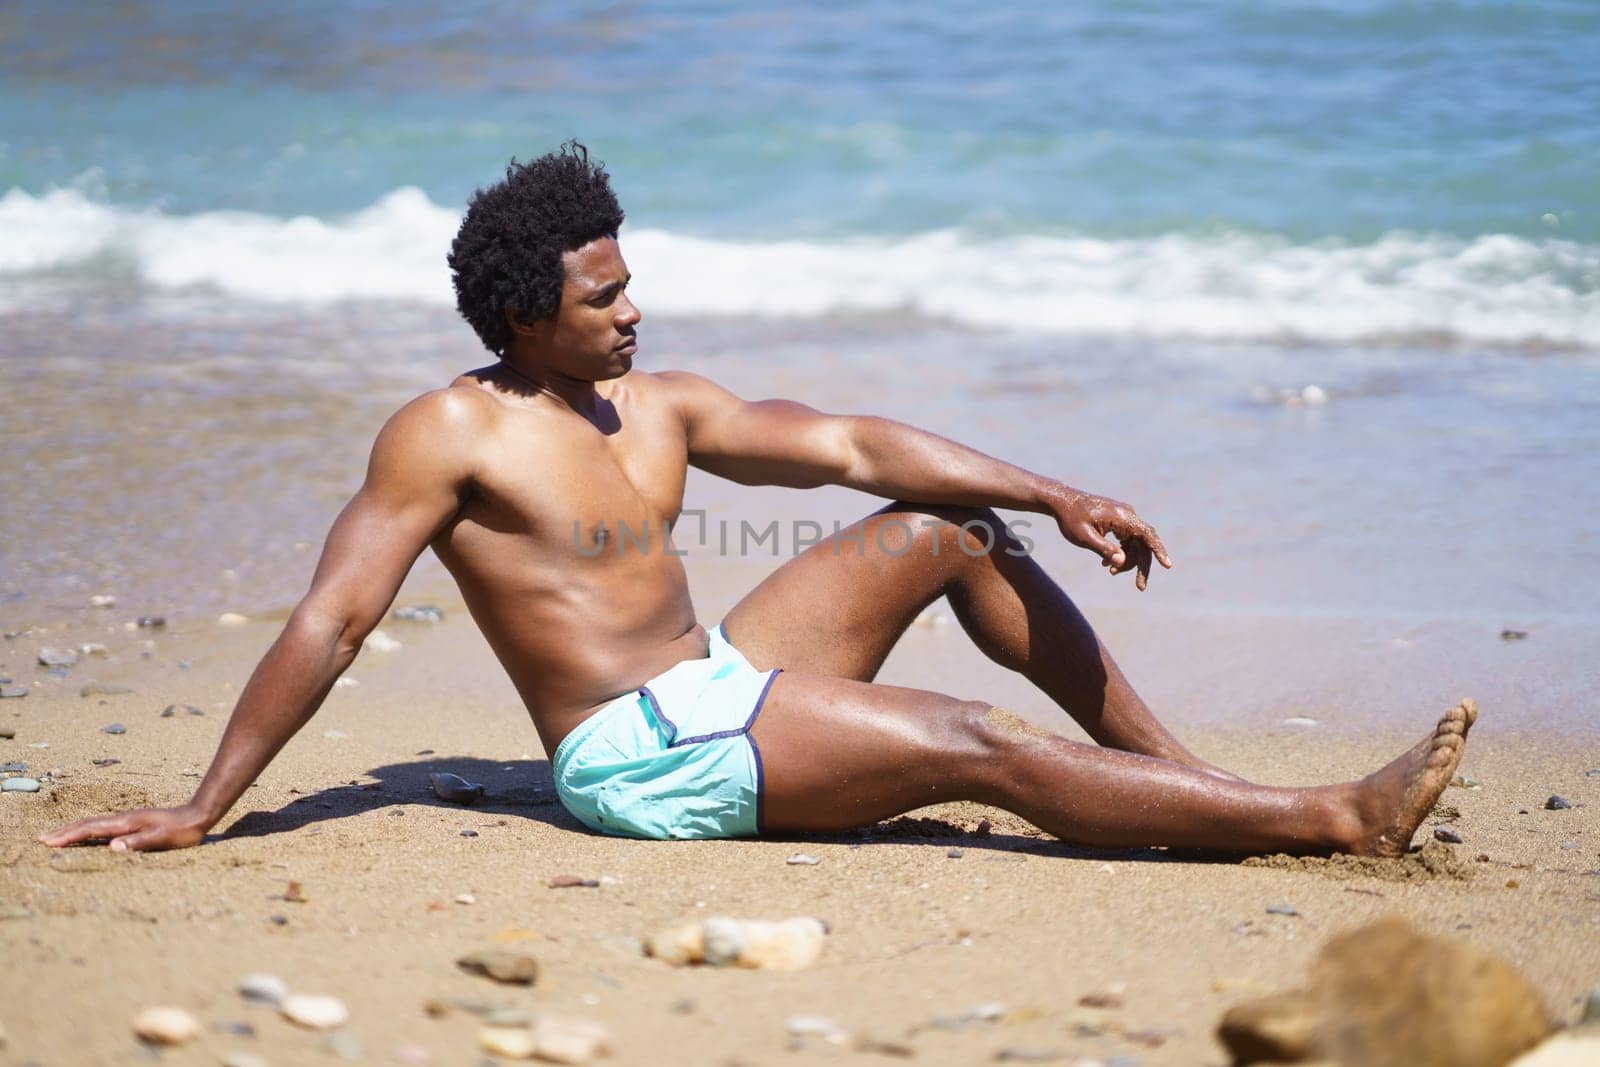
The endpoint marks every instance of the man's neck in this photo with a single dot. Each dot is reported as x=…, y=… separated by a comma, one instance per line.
x=575, y=393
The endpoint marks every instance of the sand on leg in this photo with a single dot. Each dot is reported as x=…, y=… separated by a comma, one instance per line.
x=839, y=754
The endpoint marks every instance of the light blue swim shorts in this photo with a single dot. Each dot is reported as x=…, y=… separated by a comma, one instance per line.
x=674, y=759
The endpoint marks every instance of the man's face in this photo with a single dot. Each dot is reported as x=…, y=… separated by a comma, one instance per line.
x=591, y=336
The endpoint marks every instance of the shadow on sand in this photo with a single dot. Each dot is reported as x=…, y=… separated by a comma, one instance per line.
x=524, y=789
x=516, y=788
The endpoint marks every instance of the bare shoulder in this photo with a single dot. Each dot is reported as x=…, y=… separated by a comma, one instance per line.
x=439, y=430
x=678, y=381
x=691, y=394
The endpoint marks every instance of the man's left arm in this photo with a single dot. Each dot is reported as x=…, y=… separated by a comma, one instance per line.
x=781, y=442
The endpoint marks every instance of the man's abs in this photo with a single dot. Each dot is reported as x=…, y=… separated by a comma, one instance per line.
x=574, y=632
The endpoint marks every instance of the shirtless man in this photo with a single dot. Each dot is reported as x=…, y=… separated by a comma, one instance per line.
x=521, y=475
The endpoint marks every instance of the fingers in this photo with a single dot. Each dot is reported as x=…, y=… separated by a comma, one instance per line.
x=1111, y=553
x=96, y=829
x=138, y=841
x=1139, y=560
x=1153, y=539
x=1144, y=546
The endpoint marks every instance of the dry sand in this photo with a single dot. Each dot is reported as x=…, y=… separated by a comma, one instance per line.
x=921, y=936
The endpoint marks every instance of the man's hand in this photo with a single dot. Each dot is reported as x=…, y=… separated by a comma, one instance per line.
x=145, y=830
x=1091, y=522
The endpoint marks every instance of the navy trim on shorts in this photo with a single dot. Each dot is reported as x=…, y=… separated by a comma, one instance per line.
x=655, y=706
x=720, y=734
x=761, y=786
x=743, y=731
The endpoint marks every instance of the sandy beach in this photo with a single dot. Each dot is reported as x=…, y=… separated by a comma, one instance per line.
x=1315, y=288
x=948, y=943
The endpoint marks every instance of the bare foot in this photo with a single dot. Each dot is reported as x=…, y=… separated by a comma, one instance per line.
x=1396, y=799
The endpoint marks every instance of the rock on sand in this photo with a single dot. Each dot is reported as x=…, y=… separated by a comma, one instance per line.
x=166, y=1026
x=1384, y=995
x=720, y=941
x=554, y=1040
x=314, y=1012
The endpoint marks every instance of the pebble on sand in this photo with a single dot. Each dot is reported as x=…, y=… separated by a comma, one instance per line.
x=801, y=859
x=314, y=1011
x=102, y=600
x=104, y=689
x=232, y=618
x=172, y=709
x=1557, y=803
x=243, y=1059
x=345, y=1045
x=466, y=898
x=419, y=613
x=1281, y=909
x=573, y=881
x=1447, y=835
x=114, y=728
x=151, y=622
x=57, y=657
x=165, y=1026
x=454, y=788
x=9, y=692
x=818, y=1026
x=379, y=641
x=20, y=785
x=1111, y=1000
x=261, y=988
x=1300, y=720
x=554, y=1040
x=720, y=941
x=502, y=965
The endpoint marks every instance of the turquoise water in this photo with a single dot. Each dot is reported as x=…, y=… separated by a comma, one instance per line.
x=1335, y=170
x=1316, y=285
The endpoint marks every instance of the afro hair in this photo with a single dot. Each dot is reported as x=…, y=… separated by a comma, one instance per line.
x=507, y=254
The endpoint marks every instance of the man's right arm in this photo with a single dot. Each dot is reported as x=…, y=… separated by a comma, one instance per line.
x=420, y=466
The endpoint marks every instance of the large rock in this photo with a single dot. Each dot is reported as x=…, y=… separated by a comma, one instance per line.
x=1384, y=995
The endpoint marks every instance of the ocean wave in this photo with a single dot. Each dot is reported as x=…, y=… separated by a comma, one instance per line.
x=1414, y=287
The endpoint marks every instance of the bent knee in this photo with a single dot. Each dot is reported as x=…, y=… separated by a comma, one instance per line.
x=984, y=731
x=952, y=531
x=993, y=740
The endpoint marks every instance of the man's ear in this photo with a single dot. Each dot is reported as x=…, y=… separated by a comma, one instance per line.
x=522, y=323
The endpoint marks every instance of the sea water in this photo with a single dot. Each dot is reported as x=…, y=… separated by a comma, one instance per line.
x=1315, y=285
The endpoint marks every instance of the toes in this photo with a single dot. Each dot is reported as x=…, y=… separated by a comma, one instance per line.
x=1470, y=706
x=1456, y=721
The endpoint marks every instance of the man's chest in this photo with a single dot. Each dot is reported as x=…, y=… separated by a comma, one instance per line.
x=572, y=479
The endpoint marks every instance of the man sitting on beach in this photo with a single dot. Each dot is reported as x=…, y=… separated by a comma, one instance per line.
x=537, y=480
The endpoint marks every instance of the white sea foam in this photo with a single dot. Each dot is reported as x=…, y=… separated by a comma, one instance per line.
x=1498, y=288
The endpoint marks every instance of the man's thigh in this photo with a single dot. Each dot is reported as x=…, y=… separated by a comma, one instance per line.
x=837, y=753
x=840, y=606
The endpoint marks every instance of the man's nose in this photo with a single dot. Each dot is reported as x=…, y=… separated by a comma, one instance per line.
x=628, y=313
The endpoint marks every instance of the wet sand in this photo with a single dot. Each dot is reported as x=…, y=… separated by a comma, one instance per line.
x=921, y=938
